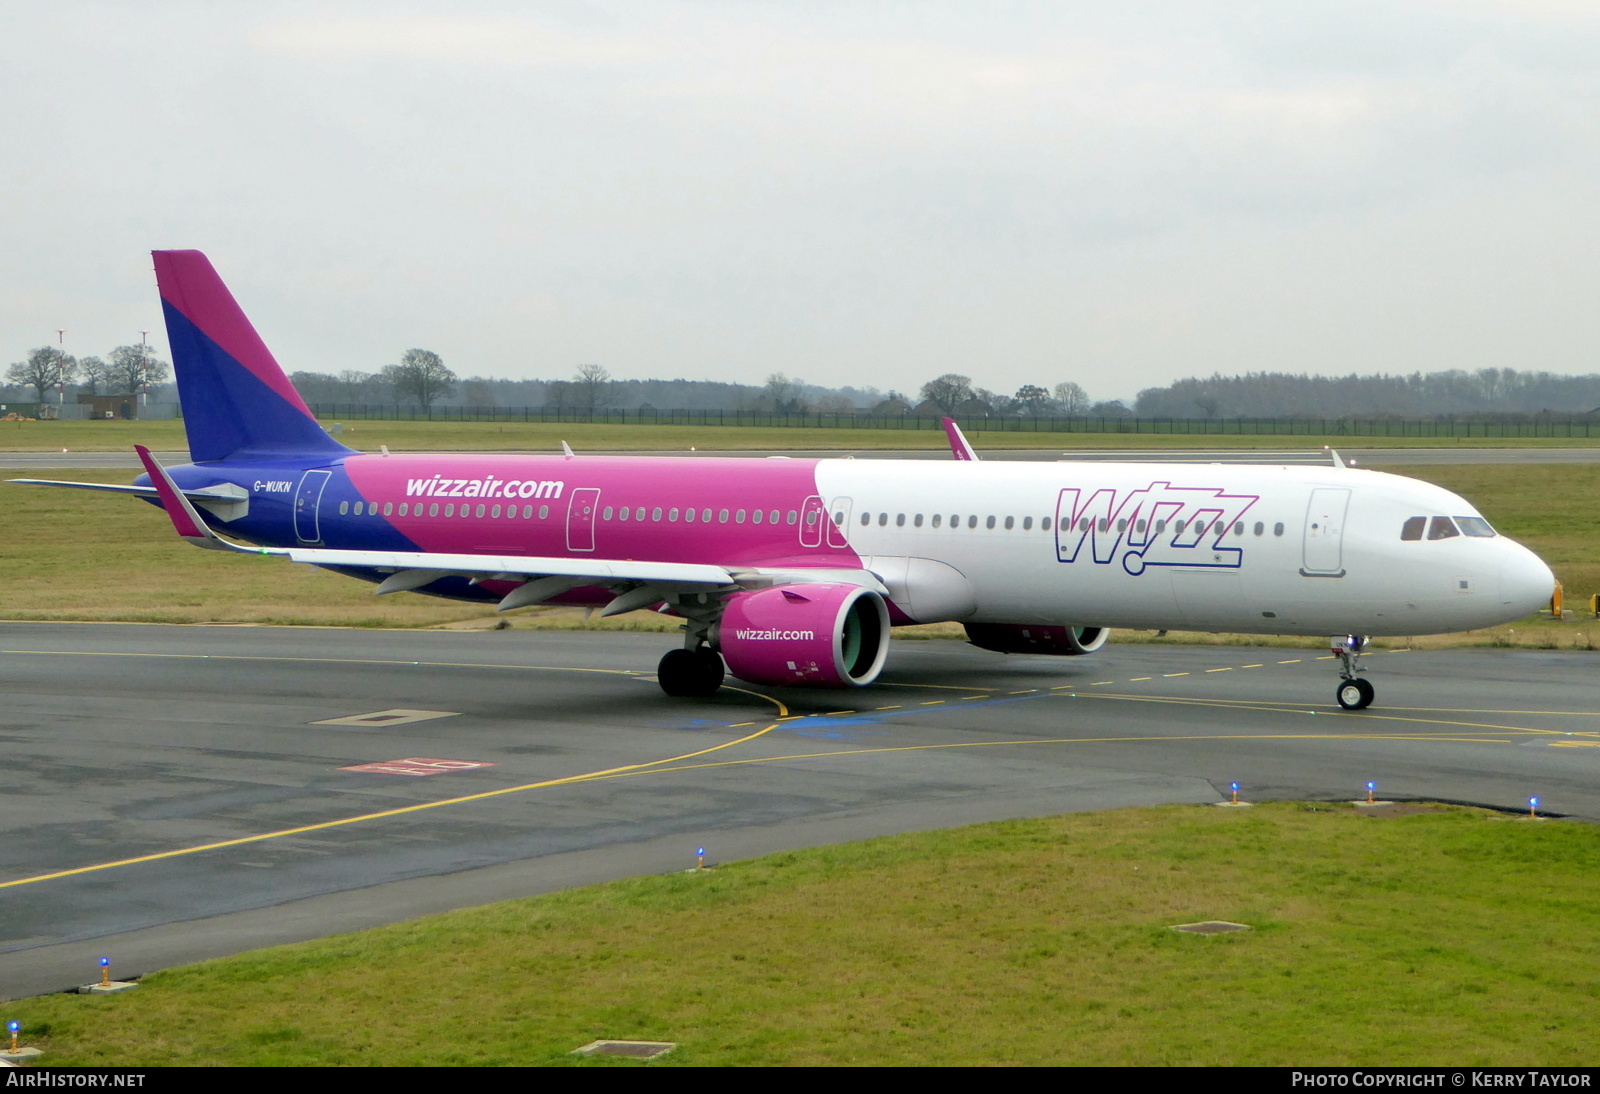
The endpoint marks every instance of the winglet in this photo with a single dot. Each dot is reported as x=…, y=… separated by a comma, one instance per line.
x=959, y=448
x=186, y=520
x=566, y=450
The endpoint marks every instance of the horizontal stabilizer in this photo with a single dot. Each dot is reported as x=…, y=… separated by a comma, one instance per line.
x=227, y=502
x=188, y=523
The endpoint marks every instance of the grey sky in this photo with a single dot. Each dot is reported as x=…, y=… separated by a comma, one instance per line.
x=1117, y=194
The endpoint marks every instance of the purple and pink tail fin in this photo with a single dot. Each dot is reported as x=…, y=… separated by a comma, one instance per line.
x=237, y=402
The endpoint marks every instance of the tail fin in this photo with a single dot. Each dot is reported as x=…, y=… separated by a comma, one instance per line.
x=236, y=400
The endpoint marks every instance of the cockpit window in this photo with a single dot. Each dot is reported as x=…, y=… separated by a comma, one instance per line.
x=1442, y=528
x=1475, y=526
x=1412, y=528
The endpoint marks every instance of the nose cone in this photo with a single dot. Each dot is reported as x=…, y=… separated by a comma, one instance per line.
x=1526, y=583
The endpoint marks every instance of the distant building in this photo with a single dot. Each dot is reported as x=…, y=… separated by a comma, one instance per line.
x=101, y=407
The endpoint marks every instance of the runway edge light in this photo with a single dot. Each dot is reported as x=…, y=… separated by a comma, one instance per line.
x=16, y=1054
x=106, y=984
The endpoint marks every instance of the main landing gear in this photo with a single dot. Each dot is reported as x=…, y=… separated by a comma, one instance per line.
x=1354, y=692
x=695, y=673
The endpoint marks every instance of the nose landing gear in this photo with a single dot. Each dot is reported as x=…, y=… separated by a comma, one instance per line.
x=1354, y=692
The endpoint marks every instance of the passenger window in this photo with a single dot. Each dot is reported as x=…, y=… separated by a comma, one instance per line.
x=1260, y=528
x=1010, y=523
x=638, y=514
x=1027, y=524
x=344, y=507
x=655, y=514
x=811, y=517
x=672, y=516
x=1105, y=525
x=722, y=516
x=972, y=521
x=1177, y=529
x=866, y=519
x=1277, y=529
x=480, y=511
x=1412, y=528
x=605, y=513
x=1442, y=528
x=495, y=512
x=544, y=512
x=772, y=517
x=989, y=523
x=705, y=516
x=883, y=519
x=433, y=510
x=937, y=517
x=756, y=516
x=1141, y=526
x=900, y=520
x=450, y=509
x=388, y=508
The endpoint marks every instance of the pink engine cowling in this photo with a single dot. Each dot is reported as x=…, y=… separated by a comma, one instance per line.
x=1030, y=638
x=827, y=635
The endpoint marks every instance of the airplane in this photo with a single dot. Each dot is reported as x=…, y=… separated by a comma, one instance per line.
x=793, y=571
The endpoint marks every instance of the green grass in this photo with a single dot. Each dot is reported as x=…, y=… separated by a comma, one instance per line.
x=1449, y=936
x=540, y=437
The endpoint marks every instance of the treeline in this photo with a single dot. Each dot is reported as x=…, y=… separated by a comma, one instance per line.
x=1488, y=391
x=591, y=390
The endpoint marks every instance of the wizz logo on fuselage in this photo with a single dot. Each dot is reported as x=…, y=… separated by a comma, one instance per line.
x=1155, y=525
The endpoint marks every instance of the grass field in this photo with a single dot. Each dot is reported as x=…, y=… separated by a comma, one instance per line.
x=1444, y=936
x=536, y=437
x=76, y=555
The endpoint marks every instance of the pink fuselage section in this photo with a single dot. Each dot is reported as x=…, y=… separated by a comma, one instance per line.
x=728, y=512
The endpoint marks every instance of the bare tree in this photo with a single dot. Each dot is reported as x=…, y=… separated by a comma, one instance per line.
x=1072, y=398
x=592, y=389
x=948, y=392
x=131, y=368
x=420, y=375
x=95, y=374
x=45, y=368
x=786, y=395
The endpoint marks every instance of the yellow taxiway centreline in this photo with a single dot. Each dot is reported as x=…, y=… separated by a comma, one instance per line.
x=567, y=780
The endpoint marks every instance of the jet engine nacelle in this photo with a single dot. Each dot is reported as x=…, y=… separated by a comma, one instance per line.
x=1028, y=638
x=827, y=635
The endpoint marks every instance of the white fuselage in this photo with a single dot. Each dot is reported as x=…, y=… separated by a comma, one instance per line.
x=1271, y=550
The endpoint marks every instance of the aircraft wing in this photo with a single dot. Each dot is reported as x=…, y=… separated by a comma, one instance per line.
x=602, y=570
x=960, y=447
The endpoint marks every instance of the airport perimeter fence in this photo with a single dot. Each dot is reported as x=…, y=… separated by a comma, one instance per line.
x=1444, y=427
